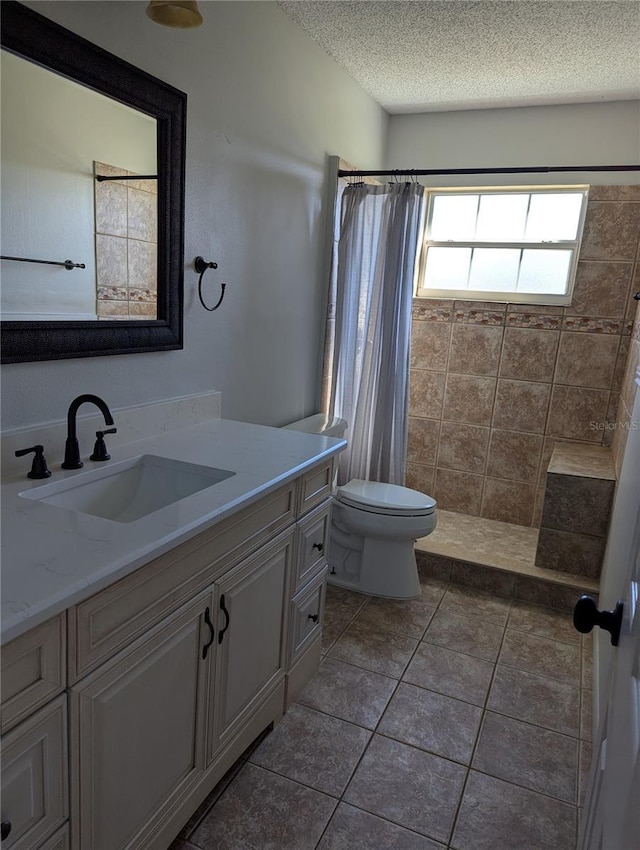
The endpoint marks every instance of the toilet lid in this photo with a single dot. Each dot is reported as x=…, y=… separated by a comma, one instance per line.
x=387, y=498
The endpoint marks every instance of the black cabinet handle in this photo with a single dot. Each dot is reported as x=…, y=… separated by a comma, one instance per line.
x=586, y=616
x=207, y=620
x=313, y=617
x=223, y=608
x=318, y=546
x=5, y=829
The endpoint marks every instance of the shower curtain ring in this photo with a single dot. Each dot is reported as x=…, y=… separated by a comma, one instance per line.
x=201, y=265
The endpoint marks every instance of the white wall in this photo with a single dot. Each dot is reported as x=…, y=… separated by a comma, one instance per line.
x=52, y=131
x=574, y=134
x=266, y=107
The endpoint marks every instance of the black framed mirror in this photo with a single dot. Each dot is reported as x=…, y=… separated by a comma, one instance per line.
x=26, y=34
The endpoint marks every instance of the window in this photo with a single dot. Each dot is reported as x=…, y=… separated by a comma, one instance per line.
x=503, y=244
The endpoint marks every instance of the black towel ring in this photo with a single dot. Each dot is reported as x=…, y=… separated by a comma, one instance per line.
x=201, y=265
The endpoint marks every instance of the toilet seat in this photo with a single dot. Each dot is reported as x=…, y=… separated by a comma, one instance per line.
x=385, y=499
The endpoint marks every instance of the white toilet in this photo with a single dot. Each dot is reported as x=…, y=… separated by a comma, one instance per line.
x=373, y=528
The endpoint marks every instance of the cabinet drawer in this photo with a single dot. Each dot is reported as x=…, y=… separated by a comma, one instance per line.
x=35, y=777
x=315, y=486
x=307, y=615
x=110, y=620
x=32, y=670
x=312, y=543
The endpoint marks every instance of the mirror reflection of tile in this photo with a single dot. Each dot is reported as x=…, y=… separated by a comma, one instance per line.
x=126, y=245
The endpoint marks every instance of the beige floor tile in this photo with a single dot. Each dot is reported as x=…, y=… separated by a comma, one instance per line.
x=211, y=799
x=465, y=634
x=350, y=693
x=444, y=726
x=469, y=602
x=314, y=749
x=586, y=714
x=333, y=626
x=544, y=622
x=536, y=699
x=261, y=811
x=541, y=655
x=403, y=616
x=586, y=752
x=497, y=815
x=451, y=673
x=344, y=603
x=527, y=755
x=433, y=589
x=381, y=652
x=353, y=829
x=405, y=785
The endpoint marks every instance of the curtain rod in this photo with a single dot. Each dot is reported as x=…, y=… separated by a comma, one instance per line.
x=541, y=169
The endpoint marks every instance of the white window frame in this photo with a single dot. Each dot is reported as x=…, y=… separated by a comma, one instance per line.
x=501, y=295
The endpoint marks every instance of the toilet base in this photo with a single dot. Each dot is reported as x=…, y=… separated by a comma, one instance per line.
x=384, y=568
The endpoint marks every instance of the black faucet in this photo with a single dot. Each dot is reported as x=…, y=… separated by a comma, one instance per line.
x=71, y=448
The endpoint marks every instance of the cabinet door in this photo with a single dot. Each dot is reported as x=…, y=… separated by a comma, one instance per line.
x=139, y=723
x=251, y=628
x=35, y=777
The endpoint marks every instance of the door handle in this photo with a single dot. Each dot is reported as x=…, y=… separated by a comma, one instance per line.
x=5, y=829
x=223, y=608
x=586, y=616
x=207, y=620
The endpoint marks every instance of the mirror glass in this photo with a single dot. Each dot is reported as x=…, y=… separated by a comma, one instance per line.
x=58, y=137
x=93, y=162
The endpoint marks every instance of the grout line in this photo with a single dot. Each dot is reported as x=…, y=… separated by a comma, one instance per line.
x=472, y=756
x=375, y=730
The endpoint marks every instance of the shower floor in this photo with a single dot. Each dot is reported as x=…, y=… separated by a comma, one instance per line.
x=500, y=546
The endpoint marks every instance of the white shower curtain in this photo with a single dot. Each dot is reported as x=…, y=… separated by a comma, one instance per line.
x=379, y=242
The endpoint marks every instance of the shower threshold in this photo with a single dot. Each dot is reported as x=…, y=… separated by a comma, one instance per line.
x=497, y=555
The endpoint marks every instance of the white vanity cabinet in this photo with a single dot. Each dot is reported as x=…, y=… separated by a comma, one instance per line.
x=170, y=673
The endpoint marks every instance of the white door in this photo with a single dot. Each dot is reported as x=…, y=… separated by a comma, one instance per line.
x=611, y=818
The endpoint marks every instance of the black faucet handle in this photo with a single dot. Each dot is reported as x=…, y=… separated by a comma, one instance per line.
x=39, y=465
x=100, y=449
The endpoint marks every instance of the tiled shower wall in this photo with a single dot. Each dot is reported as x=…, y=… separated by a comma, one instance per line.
x=126, y=245
x=493, y=386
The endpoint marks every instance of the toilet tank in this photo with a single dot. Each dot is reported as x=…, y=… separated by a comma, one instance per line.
x=320, y=423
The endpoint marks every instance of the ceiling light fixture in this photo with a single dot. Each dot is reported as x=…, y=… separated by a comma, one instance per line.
x=182, y=14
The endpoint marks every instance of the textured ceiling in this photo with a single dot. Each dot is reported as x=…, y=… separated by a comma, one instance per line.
x=453, y=54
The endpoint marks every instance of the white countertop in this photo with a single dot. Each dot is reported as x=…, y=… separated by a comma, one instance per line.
x=53, y=558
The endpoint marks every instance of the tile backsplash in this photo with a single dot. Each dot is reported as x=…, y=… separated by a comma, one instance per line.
x=494, y=386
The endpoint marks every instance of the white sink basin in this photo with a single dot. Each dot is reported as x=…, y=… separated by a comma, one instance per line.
x=127, y=491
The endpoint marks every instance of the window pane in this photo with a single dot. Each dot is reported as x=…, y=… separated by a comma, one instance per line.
x=494, y=269
x=447, y=268
x=554, y=216
x=502, y=218
x=544, y=271
x=453, y=217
